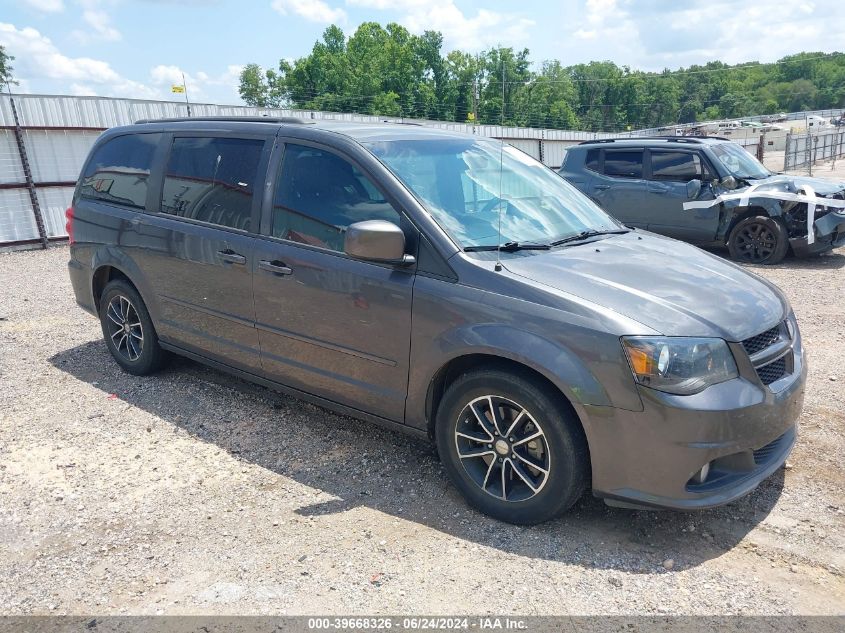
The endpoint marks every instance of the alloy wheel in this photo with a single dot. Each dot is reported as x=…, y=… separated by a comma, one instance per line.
x=756, y=242
x=502, y=448
x=125, y=329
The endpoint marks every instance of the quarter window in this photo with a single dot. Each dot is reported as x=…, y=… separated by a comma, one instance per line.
x=623, y=164
x=119, y=170
x=591, y=161
x=212, y=180
x=680, y=166
x=319, y=194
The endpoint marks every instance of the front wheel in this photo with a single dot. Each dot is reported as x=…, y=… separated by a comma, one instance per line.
x=758, y=240
x=512, y=448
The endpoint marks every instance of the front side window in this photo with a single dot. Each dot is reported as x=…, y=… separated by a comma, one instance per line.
x=119, y=170
x=471, y=187
x=677, y=166
x=319, y=194
x=623, y=164
x=212, y=180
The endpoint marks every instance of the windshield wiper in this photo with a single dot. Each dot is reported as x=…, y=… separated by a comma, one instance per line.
x=583, y=235
x=508, y=247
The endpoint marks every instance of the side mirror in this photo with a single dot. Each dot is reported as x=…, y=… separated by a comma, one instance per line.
x=693, y=188
x=729, y=182
x=376, y=241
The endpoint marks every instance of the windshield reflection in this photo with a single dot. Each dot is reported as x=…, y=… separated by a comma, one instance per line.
x=739, y=162
x=471, y=185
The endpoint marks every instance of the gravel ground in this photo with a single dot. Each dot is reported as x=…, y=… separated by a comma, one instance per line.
x=192, y=492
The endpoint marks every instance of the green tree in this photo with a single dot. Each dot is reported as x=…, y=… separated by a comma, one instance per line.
x=6, y=67
x=388, y=71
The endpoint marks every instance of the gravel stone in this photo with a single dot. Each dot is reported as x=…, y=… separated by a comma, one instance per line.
x=198, y=493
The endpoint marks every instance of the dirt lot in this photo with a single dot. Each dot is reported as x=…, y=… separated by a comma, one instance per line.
x=192, y=492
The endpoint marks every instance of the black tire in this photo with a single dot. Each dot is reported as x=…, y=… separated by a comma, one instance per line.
x=562, y=451
x=137, y=356
x=758, y=239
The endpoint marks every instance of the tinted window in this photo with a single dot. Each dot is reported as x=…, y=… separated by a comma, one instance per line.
x=119, y=169
x=624, y=164
x=319, y=194
x=592, y=160
x=680, y=166
x=212, y=180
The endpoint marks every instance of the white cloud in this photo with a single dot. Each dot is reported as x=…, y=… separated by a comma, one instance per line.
x=38, y=58
x=200, y=84
x=46, y=6
x=98, y=24
x=468, y=32
x=311, y=10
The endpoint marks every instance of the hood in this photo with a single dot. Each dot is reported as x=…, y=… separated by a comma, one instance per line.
x=785, y=182
x=669, y=286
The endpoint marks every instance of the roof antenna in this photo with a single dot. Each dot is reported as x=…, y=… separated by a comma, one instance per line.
x=498, y=266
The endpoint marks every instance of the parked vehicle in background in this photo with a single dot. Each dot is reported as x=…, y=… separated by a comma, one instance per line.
x=446, y=285
x=774, y=118
x=647, y=182
x=815, y=123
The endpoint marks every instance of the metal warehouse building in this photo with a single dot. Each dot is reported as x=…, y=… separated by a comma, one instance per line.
x=44, y=140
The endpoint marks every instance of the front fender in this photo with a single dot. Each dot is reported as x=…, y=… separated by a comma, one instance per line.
x=586, y=364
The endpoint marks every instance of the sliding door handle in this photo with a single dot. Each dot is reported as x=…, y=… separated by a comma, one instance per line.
x=276, y=267
x=231, y=256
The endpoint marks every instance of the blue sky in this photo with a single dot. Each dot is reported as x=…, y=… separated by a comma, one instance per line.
x=138, y=48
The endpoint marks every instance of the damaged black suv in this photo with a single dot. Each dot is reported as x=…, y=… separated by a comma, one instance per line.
x=710, y=192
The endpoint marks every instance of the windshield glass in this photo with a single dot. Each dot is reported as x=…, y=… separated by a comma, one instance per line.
x=739, y=162
x=464, y=183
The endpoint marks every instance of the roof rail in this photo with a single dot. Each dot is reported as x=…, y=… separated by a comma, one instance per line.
x=678, y=139
x=234, y=119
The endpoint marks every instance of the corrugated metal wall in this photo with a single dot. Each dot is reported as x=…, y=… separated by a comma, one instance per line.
x=58, y=131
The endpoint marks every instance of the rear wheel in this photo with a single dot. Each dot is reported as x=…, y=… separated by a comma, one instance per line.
x=758, y=240
x=128, y=329
x=513, y=450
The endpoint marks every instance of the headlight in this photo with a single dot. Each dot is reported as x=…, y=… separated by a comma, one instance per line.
x=679, y=365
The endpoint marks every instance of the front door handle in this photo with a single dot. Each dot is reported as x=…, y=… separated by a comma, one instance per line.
x=601, y=187
x=276, y=267
x=231, y=256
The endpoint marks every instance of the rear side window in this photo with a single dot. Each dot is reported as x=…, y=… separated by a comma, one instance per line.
x=319, y=194
x=591, y=161
x=119, y=170
x=680, y=166
x=623, y=164
x=212, y=180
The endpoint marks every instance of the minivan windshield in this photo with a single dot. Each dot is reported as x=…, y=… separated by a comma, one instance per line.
x=471, y=186
x=739, y=162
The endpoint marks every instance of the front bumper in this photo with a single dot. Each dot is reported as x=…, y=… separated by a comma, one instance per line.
x=743, y=428
x=829, y=234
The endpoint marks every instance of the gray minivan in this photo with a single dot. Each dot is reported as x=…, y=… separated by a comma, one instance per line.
x=449, y=286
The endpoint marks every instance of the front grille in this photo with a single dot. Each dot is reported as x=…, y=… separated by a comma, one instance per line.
x=773, y=371
x=761, y=341
x=769, y=370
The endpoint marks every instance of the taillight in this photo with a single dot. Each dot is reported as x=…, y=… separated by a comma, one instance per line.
x=69, y=224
